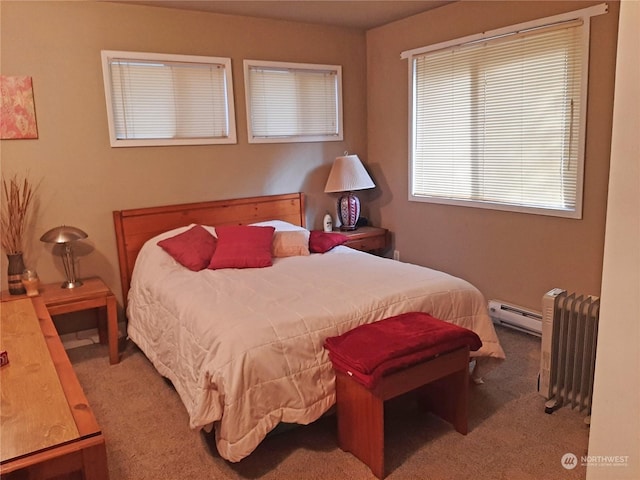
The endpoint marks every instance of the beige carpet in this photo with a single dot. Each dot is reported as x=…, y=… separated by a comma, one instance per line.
x=510, y=437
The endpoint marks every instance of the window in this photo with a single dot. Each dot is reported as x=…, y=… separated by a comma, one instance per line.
x=158, y=99
x=498, y=120
x=292, y=102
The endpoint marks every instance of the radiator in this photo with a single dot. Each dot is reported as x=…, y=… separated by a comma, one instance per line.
x=568, y=356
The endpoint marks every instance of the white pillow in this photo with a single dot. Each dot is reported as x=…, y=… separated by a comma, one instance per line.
x=290, y=243
x=175, y=231
x=280, y=226
x=289, y=240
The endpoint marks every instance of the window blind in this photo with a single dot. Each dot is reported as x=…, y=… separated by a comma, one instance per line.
x=289, y=103
x=498, y=120
x=173, y=100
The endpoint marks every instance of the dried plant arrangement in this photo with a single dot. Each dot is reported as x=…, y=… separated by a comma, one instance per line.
x=17, y=199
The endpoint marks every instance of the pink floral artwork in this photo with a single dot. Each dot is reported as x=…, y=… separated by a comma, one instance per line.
x=18, y=114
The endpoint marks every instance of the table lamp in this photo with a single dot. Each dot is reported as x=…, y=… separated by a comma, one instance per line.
x=348, y=174
x=64, y=236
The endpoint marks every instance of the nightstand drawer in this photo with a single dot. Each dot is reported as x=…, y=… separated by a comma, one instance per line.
x=367, y=244
x=368, y=239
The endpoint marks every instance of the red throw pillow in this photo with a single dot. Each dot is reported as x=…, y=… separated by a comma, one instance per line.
x=242, y=246
x=320, y=242
x=192, y=249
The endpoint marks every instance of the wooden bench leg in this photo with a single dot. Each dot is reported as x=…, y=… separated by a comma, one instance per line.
x=448, y=398
x=360, y=423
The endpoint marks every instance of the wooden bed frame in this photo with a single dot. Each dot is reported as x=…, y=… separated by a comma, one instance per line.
x=134, y=227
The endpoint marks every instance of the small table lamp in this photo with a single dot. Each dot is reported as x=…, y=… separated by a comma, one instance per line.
x=64, y=235
x=348, y=174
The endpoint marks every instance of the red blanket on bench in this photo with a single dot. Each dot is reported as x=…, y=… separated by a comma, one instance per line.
x=370, y=351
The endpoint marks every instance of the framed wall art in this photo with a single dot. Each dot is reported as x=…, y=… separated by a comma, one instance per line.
x=18, y=115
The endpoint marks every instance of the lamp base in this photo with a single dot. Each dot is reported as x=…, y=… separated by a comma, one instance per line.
x=348, y=211
x=68, y=284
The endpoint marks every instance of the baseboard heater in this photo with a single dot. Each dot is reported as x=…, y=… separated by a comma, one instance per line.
x=515, y=317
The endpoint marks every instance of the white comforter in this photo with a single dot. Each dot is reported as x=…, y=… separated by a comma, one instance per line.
x=244, y=348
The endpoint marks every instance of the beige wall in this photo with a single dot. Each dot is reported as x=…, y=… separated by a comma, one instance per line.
x=515, y=257
x=510, y=256
x=84, y=180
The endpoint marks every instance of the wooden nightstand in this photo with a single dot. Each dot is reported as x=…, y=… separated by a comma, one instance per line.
x=368, y=239
x=94, y=293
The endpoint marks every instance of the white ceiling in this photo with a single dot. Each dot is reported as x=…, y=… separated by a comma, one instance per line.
x=360, y=14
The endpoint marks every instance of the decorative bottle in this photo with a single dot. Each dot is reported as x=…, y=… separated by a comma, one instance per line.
x=327, y=222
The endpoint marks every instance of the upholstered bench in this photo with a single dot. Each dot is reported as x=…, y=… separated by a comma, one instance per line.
x=379, y=361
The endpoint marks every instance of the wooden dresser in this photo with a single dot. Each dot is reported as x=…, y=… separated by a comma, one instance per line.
x=48, y=429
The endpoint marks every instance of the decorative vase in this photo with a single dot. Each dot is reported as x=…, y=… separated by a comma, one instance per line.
x=349, y=211
x=14, y=274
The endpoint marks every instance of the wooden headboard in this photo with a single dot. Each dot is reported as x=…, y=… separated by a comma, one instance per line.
x=134, y=227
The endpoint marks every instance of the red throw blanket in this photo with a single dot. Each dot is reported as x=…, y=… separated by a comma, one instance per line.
x=371, y=351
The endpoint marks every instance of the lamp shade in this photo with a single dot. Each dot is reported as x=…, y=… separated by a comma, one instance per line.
x=63, y=234
x=348, y=174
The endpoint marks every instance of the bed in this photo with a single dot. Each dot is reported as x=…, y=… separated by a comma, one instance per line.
x=244, y=347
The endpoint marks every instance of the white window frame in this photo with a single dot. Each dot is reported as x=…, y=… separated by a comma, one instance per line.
x=576, y=212
x=293, y=137
x=221, y=62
